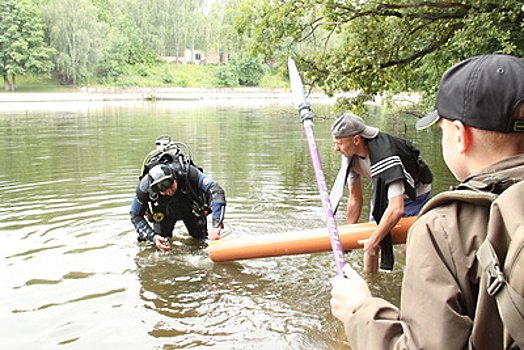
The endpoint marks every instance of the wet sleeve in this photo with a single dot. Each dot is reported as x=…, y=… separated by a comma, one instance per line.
x=217, y=195
x=218, y=204
x=137, y=213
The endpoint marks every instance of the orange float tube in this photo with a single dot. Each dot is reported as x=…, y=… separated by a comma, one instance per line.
x=299, y=242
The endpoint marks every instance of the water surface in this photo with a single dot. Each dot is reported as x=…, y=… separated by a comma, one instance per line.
x=72, y=275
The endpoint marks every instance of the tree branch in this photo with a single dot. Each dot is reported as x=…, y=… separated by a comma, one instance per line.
x=390, y=10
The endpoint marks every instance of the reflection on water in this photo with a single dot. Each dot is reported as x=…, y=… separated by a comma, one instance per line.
x=73, y=276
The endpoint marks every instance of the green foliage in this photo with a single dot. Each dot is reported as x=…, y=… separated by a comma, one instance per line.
x=222, y=36
x=114, y=60
x=122, y=48
x=76, y=35
x=249, y=70
x=143, y=70
x=104, y=39
x=274, y=79
x=167, y=26
x=167, y=77
x=372, y=47
x=226, y=76
x=242, y=70
x=182, y=82
x=168, y=74
x=161, y=74
x=22, y=47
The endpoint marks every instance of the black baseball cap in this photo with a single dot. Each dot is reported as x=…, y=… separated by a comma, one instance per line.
x=482, y=92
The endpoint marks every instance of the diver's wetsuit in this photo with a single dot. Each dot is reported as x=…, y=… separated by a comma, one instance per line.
x=197, y=195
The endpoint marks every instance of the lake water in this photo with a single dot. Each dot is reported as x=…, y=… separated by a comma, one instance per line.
x=72, y=275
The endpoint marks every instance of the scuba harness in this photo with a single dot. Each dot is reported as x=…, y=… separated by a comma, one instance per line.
x=173, y=154
x=166, y=151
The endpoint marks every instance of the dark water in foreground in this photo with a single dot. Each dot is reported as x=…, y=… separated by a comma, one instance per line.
x=72, y=275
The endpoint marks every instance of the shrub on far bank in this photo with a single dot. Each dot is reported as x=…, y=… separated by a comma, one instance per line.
x=241, y=71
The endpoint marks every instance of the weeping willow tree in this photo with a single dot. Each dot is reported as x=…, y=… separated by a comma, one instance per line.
x=76, y=35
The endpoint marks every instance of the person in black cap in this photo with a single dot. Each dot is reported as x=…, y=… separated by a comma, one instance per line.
x=172, y=192
x=401, y=182
x=444, y=299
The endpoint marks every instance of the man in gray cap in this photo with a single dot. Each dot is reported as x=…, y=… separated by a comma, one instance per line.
x=447, y=299
x=401, y=182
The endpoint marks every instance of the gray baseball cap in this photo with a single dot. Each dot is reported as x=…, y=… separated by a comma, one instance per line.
x=349, y=124
x=482, y=92
x=162, y=177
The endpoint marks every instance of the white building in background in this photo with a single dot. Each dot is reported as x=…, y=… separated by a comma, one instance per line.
x=197, y=57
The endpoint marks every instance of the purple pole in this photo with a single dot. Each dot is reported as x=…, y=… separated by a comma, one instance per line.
x=304, y=109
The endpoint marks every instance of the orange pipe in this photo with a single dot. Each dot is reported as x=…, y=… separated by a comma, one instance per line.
x=299, y=242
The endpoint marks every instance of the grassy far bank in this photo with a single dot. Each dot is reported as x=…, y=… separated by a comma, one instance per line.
x=158, y=75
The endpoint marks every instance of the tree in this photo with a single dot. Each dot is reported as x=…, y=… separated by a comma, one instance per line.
x=122, y=47
x=168, y=26
x=22, y=47
x=241, y=70
x=221, y=34
x=377, y=46
x=76, y=35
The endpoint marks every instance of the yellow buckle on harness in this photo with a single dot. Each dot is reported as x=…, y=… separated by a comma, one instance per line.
x=157, y=217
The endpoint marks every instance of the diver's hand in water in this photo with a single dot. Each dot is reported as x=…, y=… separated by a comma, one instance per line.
x=161, y=243
x=215, y=233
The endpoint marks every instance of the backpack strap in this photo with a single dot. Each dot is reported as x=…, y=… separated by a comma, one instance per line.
x=509, y=302
x=475, y=197
x=501, y=257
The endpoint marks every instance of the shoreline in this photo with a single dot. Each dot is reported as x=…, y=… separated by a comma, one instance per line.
x=155, y=94
x=170, y=94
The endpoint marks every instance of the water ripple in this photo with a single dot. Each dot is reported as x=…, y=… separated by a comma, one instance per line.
x=83, y=298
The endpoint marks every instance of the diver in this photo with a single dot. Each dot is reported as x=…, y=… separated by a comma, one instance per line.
x=175, y=191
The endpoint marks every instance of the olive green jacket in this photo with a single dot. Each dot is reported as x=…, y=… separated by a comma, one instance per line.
x=441, y=281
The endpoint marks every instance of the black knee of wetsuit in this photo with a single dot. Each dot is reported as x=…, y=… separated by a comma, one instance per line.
x=196, y=226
